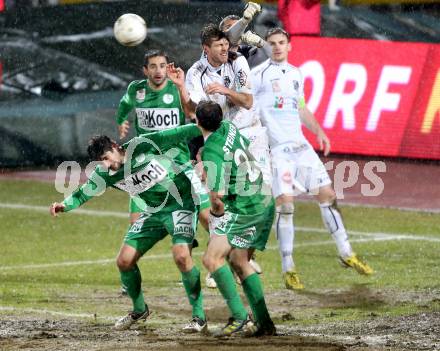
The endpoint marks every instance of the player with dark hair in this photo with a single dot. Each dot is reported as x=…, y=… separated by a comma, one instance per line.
x=152, y=168
x=242, y=212
x=157, y=104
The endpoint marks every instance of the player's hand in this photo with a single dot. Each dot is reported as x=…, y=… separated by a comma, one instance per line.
x=176, y=74
x=216, y=88
x=324, y=142
x=56, y=208
x=252, y=39
x=123, y=129
x=251, y=9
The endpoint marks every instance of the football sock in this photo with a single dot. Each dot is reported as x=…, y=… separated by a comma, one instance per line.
x=332, y=219
x=254, y=293
x=132, y=281
x=285, y=232
x=191, y=282
x=226, y=284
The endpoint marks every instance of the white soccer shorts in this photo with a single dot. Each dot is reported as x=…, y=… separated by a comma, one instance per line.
x=297, y=169
x=259, y=148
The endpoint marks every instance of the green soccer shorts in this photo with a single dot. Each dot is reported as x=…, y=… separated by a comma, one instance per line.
x=247, y=231
x=178, y=221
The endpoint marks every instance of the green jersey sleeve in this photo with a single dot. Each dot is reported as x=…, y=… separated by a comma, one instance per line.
x=170, y=137
x=127, y=103
x=94, y=186
x=216, y=169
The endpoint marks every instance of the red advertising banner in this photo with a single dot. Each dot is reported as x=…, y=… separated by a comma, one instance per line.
x=373, y=97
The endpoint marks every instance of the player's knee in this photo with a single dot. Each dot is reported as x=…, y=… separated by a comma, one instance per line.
x=183, y=261
x=124, y=263
x=285, y=212
x=209, y=262
x=327, y=195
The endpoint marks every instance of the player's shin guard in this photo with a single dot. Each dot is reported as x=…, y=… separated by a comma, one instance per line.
x=226, y=284
x=191, y=282
x=332, y=219
x=132, y=280
x=285, y=232
x=254, y=293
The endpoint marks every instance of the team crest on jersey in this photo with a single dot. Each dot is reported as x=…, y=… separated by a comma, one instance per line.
x=241, y=78
x=168, y=98
x=226, y=81
x=296, y=85
x=140, y=95
x=276, y=85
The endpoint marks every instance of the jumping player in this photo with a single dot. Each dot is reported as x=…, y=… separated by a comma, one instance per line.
x=148, y=167
x=278, y=89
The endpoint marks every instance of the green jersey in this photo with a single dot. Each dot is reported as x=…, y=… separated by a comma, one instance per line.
x=231, y=170
x=155, y=110
x=153, y=170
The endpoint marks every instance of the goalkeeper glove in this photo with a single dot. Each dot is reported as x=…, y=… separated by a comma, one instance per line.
x=252, y=39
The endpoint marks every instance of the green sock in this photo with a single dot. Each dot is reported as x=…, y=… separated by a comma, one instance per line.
x=132, y=281
x=191, y=282
x=254, y=293
x=226, y=284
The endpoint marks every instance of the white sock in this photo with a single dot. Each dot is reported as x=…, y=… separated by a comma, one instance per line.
x=285, y=234
x=333, y=222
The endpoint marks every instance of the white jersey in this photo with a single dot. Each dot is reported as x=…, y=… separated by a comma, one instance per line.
x=278, y=90
x=235, y=75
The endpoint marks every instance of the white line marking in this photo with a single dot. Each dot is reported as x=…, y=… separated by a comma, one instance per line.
x=372, y=237
x=56, y=313
x=79, y=211
x=100, y=213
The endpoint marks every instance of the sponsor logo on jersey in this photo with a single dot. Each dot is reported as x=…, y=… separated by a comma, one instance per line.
x=144, y=179
x=140, y=95
x=183, y=223
x=241, y=78
x=157, y=118
x=279, y=102
x=168, y=98
x=226, y=81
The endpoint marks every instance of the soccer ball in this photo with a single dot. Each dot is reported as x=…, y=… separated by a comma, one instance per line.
x=130, y=29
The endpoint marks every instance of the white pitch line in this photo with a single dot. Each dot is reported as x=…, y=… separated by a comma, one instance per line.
x=56, y=313
x=85, y=262
x=114, y=214
x=372, y=237
x=78, y=211
x=199, y=253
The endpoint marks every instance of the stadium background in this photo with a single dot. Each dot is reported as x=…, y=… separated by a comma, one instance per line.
x=66, y=74
x=62, y=75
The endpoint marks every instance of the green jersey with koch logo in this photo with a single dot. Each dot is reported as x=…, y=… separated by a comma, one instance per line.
x=231, y=170
x=152, y=170
x=155, y=109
